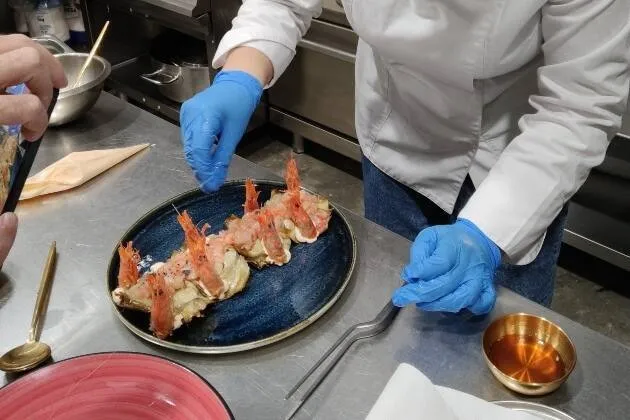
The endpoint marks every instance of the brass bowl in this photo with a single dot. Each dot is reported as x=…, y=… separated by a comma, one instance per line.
x=541, y=331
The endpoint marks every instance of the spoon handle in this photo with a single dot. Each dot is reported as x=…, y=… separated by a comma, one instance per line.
x=42, y=293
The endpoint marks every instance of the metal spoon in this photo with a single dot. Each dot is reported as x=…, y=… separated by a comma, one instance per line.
x=33, y=352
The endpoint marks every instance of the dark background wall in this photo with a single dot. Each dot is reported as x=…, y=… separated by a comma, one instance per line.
x=6, y=17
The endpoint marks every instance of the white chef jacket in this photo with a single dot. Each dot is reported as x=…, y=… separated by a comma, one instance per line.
x=522, y=94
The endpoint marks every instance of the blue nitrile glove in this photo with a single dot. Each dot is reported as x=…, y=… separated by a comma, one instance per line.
x=214, y=121
x=452, y=268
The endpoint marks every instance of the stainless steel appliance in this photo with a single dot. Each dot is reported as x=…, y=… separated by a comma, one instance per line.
x=599, y=214
x=314, y=98
x=135, y=25
x=181, y=64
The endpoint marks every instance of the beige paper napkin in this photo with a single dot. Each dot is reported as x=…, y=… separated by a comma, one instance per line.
x=75, y=169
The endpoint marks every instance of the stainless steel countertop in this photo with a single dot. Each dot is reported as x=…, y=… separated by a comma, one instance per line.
x=87, y=223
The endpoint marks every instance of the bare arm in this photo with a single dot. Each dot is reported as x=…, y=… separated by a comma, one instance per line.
x=251, y=61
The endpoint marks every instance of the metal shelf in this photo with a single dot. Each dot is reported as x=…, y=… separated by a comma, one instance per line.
x=167, y=13
x=340, y=143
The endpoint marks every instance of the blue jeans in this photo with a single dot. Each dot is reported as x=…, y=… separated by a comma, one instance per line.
x=406, y=212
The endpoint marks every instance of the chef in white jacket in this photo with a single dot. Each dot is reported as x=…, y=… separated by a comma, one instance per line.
x=478, y=120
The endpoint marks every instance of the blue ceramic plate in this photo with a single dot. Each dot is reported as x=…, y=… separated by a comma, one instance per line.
x=277, y=301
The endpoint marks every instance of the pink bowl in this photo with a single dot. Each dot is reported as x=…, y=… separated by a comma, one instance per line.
x=120, y=386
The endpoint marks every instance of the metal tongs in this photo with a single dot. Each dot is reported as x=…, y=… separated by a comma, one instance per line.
x=353, y=334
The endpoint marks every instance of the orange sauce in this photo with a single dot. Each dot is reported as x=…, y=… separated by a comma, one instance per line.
x=527, y=359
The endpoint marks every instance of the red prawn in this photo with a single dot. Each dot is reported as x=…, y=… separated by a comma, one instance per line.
x=162, y=316
x=292, y=176
x=196, y=243
x=299, y=216
x=128, y=273
x=251, y=197
x=271, y=238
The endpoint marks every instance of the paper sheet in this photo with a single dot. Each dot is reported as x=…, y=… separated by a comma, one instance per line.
x=75, y=169
x=410, y=395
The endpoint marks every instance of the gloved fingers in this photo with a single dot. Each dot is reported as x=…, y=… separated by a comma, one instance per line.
x=464, y=296
x=229, y=139
x=486, y=301
x=443, y=258
x=424, y=244
x=426, y=291
x=199, y=137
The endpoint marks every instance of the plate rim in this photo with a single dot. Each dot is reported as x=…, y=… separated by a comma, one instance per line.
x=560, y=415
x=123, y=352
x=236, y=348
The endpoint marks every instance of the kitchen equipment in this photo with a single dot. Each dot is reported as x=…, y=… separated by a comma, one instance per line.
x=97, y=44
x=314, y=98
x=113, y=385
x=74, y=102
x=181, y=64
x=535, y=409
x=357, y=332
x=277, y=301
x=528, y=354
x=33, y=352
x=53, y=44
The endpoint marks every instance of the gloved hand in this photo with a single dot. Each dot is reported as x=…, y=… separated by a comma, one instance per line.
x=452, y=268
x=213, y=122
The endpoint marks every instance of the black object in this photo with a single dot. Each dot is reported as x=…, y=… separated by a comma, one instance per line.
x=172, y=47
x=25, y=164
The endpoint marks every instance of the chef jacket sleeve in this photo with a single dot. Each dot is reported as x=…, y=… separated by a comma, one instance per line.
x=582, y=94
x=274, y=27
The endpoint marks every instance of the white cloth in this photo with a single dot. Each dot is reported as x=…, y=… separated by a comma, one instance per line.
x=410, y=395
x=443, y=87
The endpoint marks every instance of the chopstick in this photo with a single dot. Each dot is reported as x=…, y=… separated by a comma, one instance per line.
x=25, y=164
x=95, y=47
x=357, y=332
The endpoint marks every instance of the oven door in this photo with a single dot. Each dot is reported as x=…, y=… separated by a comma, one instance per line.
x=317, y=89
x=333, y=12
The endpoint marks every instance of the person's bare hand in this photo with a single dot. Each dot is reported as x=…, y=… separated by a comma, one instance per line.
x=23, y=60
x=8, y=229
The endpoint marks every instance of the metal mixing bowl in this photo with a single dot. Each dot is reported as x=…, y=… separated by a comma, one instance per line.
x=74, y=102
x=543, y=331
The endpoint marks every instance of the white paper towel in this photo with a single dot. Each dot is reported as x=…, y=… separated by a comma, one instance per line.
x=409, y=395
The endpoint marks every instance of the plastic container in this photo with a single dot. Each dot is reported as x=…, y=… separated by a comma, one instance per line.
x=20, y=10
x=48, y=19
x=74, y=19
